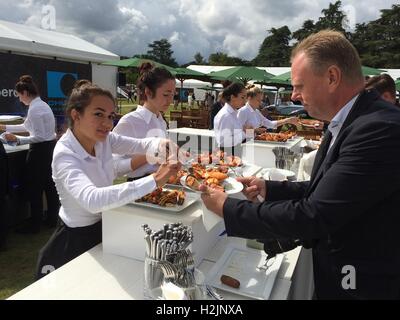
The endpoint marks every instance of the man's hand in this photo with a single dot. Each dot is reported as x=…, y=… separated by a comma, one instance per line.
x=214, y=200
x=253, y=187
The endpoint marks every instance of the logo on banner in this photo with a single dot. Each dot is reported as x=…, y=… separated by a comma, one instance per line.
x=60, y=84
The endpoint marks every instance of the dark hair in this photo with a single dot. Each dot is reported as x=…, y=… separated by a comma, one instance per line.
x=81, y=96
x=151, y=77
x=382, y=83
x=25, y=83
x=233, y=89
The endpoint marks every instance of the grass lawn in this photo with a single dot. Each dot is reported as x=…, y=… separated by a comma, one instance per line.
x=124, y=107
x=18, y=262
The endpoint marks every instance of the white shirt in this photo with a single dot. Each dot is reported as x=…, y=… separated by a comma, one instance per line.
x=338, y=120
x=250, y=117
x=141, y=123
x=228, y=129
x=39, y=122
x=85, y=183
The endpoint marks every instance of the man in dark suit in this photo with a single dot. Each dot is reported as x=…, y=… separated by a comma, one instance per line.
x=349, y=210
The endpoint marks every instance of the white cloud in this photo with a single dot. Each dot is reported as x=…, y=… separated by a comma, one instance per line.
x=126, y=27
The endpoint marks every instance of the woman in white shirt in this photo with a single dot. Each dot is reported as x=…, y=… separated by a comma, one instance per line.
x=251, y=117
x=40, y=123
x=156, y=88
x=229, y=131
x=83, y=171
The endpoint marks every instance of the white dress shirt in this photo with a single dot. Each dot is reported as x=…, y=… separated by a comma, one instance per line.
x=250, y=117
x=39, y=122
x=338, y=120
x=141, y=123
x=228, y=129
x=85, y=183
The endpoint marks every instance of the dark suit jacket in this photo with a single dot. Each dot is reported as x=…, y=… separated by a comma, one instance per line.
x=350, y=209
x=216, y=107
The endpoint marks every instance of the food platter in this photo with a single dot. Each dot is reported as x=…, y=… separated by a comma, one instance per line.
x=190, y=198
x=229, y=185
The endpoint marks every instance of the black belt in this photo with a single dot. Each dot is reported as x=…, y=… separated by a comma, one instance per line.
x=43, y=144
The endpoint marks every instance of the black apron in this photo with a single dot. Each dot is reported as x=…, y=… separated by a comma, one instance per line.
x=65, y=245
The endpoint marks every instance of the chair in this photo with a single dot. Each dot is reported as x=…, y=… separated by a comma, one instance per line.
x=204, y=122
x=177, y=117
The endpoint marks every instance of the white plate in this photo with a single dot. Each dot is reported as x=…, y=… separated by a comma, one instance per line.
x=241, y=264
x=271, y=142
x=231, y=185
x=265, y=174
x=6, y=118
x=190, y=199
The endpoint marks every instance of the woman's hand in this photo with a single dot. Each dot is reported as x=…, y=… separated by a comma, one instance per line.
x=292, y=120
x=166, y=170
x=260, y=130
x=10, y=137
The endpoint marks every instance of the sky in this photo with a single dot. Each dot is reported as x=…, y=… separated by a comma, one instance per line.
x=126, y=27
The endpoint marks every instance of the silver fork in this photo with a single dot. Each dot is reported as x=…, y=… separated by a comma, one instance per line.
x=169, y=270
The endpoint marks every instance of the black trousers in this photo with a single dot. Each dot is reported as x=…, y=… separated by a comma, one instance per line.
x=65, y=245
x=3, y=193
x=39, y=180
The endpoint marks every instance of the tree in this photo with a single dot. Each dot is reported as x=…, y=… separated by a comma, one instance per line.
x=378, y=42
x=199, y=59
x=160, y=51
x=222, y=59
x=307, y=29
x=275, y=49
x=333, y=18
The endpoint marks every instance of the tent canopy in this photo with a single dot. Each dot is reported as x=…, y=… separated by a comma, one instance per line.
x=397, y=82
x=242, y=74
x=21, y=38
x=134, y=63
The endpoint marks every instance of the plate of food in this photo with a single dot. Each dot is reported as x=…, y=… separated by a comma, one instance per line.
x=275, y=138
x=167, y=199
x=243, y=271
x=218, y=158
x=212, y=177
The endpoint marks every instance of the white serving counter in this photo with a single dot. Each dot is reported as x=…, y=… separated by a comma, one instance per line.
x=118, y=272
x=100, y=276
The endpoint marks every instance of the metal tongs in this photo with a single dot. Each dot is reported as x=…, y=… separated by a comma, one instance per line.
x=269, y=261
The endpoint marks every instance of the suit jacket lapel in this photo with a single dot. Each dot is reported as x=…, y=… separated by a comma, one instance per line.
x=365, y=98
x=320, y=156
